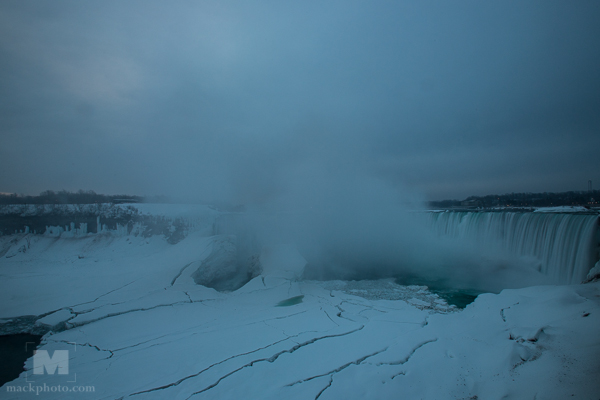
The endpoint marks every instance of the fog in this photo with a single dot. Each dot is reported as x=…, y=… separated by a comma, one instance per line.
x=332, y=122
x=355, y=226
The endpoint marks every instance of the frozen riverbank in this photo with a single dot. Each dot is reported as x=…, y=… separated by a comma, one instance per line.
x=138, y=326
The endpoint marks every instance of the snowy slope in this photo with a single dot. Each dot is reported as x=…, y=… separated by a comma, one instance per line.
x=139, y=327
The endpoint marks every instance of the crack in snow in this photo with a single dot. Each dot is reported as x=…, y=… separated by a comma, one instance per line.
x=326, y=387
x=372, y=309
x=398, y=374
x=52, y=312
x=326, y=313
x=130, y=300
x=105, y=294
x=259, y=290
x=141, y=343
x=408, y=357
x=273, y=358
x=188, y=296
x=86, y=345
x=292, y=336
x=339, y=315
x=286, y=316
x=207, y=368
x=76, y=324
x=180, y=272
x=270, y=359
x=339, y=369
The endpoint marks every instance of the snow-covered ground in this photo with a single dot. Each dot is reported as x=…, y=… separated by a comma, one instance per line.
x=106, y=210
x=563, y=209
x=139, y=327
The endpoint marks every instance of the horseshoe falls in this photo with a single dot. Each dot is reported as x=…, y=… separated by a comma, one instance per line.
x=566, y=245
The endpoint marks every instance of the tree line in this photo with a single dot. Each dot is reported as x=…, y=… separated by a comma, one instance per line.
x=66, y=197
x=546, y=199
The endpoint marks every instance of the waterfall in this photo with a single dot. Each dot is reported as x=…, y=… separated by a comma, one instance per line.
x=565, y=244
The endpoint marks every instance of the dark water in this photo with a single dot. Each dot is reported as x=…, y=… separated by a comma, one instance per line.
x=14, y=350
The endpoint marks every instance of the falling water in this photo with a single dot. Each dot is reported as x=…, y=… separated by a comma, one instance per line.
x=565, y=244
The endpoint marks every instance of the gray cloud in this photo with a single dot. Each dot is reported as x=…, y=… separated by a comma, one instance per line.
x=229, y=101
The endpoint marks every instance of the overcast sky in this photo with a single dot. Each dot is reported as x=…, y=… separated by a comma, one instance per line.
x=231, y=99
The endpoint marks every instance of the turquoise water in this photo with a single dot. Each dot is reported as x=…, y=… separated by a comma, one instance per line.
x=457, y=297
x=290, y=302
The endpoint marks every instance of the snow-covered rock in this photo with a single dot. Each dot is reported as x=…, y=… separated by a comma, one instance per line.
x=226, y=268
x=594, y=273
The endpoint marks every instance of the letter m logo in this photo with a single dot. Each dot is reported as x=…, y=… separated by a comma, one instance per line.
x=60, y=360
